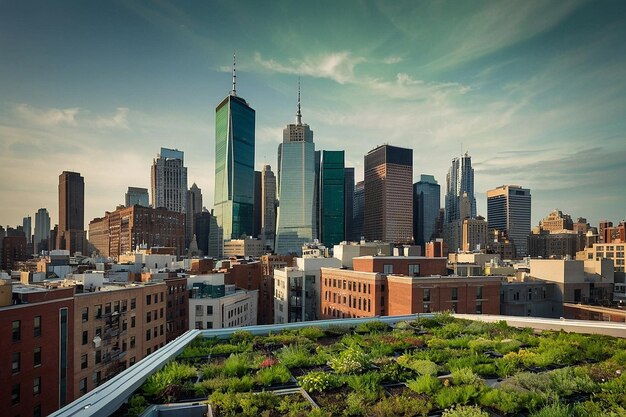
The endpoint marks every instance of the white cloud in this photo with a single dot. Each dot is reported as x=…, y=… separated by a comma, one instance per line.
x=337, y=66
x=118, y=121
x=48, y=117
x=390, y=60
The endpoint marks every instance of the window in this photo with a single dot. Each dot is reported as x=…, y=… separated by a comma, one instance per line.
x=199, y=310
x=85, y=337
x=133, y=303
x=148, y=334
x=36, y=385
x=82, y=386
x=16, y=327
x=37, y=410
x=124, y=325
x=116, y=306
x=85, y=314
x=209, y=324
x=199, y=325
x=15, y=394
x=426, y=308
x=209, y=310
x=388, y=269
x=107, y=308
x=479, y=307
x=530, y=294
x=132, y=321
x=414, y=270
x=37, y=356
x=426, y=296
x=15, y=362
x=99, y=311
x=148, y=299
x=98, y=356
x=148, y=317
x=84, y=361
x=131, y=361
x=96, y=378
x=161, y=330
x=455, y=294
x=161, y=296
x=132, y=342
x=37, y=326
x=99, y=331
x=124, y=305
x=161, y=313
x=479, y=293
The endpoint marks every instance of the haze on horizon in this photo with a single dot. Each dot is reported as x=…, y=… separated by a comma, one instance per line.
x=533, y=90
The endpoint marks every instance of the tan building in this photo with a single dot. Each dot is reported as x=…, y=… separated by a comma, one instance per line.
x=556, y=221
x=474, y=234
x=614, y=251
x=115, y=327
x=244, y=247
x=124, y=229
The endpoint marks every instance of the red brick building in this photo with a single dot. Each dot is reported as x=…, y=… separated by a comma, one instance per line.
x=387, y=285
x=177, y=308
x=248, y=275
x=14, y=250
x=37, y=361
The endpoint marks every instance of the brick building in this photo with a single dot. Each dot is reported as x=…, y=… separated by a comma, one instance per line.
x=248, y=275
x=38, y=358
x=176, y=312
x=121, y=231
x=14, y=250
x=401, y=265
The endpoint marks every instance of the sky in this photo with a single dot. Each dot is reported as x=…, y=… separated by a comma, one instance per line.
x=534, y=91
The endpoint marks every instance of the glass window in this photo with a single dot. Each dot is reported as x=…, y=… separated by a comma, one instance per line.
x=148, y=334
x=85, y=314
x=85, y=337
x=16, y=327
x=37, y=326
x=15, y=362
x=107, y=308
x=414, y=270
x=426, y=294
x=133, y=321
x=455, y=294
x=15, y=394
x=82, y=386
x=132, y=342
x=148, y=317
x=479, y=307
x=133, y=303
x=388, y=269
x=37, y=356
x=98, y=311
x=37, y=385
x=98, y=356
x=479, y=292
x=148, y=299
x=84, y=361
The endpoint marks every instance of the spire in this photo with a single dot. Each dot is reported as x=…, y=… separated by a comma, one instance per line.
x=299, y=113
x=234, y=90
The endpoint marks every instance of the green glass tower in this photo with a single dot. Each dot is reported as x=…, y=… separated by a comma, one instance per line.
x=234, y=167
x=332, y=216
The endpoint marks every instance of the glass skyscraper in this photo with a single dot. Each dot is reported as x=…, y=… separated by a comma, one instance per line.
x=426, y=202
x=234, y=167
x=295, y=224
x=460, y=179
x=332, y=202
x=508, y=209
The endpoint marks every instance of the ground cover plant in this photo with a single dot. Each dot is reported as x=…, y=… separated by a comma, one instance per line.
x=432, y=365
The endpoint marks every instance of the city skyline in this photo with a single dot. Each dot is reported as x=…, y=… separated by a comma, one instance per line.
x=533, y=90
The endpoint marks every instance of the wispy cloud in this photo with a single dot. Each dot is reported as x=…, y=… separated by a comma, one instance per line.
x=337, y=66
x=390, y=60
x=48, y=117
x=118, y=121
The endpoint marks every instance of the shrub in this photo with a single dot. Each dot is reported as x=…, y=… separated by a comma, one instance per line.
x=172, y=374
x=526, y=381
x=375, y=326
x=369, y=382
x=421, y=366
x=350, y=361
x=241, y=336
x=465, y=411
x=136, y=405
x=312, y=333
x=568, y=381
x=243, y=404
x=277, y=374
x=294, y=356
x=465, y=376
x=554, y=410
x=236, y=365
x=504, y=401
x=318, y=381
x=356, y=405
x=426, y=384
x=400, y=406
x=459, y=395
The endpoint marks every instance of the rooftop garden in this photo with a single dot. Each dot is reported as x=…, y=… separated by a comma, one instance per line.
x=438, y=366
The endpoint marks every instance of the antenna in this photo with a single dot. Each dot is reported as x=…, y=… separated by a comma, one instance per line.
x=234, y=91
x=299, y=113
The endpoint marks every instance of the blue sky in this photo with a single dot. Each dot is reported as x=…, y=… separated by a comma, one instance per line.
x=533, y=90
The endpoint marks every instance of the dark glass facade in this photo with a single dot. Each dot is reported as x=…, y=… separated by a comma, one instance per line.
x=426, y=202
x=332, y=204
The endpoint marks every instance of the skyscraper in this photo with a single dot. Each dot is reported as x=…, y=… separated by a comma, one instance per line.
x=71, y=212
x=28, y=230
x=388, y=214
x=358, y=207
x=459, y=192
x=296, y=187
x=268, y=205
x=348, y=196
x=169, y=180
x=136, y=195
x=234, y=166
x=258, y=204
x=193, y=207
x=426, y=202
x=42, y=231
x=331, y=198
x=508, y=209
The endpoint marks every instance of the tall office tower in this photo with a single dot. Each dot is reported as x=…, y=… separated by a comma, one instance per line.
x=426, y=202
x=169, y=180
x=460, y=179
x=136, y=196
x=258, y=205
x=234, y=167
x=388, y=214
x=71, y=234
x=193, y=206
x=358, y=207
x=348, y=197
x=508, y=209
x=268, y=206
x=332, y=198
x=295, y=224
x=28, y=230
x=42, y=231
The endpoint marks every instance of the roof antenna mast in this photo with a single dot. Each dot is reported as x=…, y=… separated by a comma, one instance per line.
x=299, y=113
x=234, y=92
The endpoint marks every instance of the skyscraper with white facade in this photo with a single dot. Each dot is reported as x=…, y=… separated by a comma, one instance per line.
x=169, y=180
x=460, y=179
x=42, y=231
x=296, y=187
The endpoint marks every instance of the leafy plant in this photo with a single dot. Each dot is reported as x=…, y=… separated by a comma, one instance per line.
x=236, y=365
x=465, y=376
x=504, y=401
x=421, y=366
x=465, y=411
x=365, y=383
x=462, y=395
x=295, y=356
x=425, y=384
x=312, y=333
x=318, y=381
x=372, y=327
x=350, y=361
x=277, y=374
x=400, y=405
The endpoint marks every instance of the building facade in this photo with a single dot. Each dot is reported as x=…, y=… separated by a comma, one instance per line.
x=193, y=206
x=508, y=209
x=169, y=180
x=296, y=220
x=332, y=198
x=388, y=211
x=268, y=206
x=426, y=202
x=41, y=240
x=474, y=234
x=136, y=195
x=358, y=211
x=459, y=180
x=234, y=167
x=71, y=235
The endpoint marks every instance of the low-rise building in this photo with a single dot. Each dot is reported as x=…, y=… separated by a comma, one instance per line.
x=249, y=247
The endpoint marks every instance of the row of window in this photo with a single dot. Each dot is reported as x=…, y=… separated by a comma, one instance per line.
x=15, y=394
x=154, y=332
x=364, y=304
x=16, y=360
x=153, y=313
x=16, y=328
x=348, y=285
